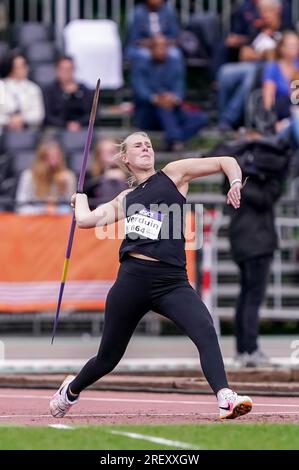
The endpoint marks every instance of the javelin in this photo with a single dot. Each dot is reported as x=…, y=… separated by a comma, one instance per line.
x=93, y=115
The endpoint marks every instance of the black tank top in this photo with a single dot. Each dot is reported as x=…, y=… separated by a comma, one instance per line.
x=155, y=222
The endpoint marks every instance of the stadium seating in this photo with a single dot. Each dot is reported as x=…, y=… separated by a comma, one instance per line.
x=41, y=52
x=22, y=160
x=4, y=50
x=19, y=147
x=73, y=141
x=16, y=141
x=26, y=34
x=5, y=164
x=74, y=161
x=43, y=74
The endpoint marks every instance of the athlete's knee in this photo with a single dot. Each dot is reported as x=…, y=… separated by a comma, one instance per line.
x=207, y=319
x=210, y=331
x=207, y=345
x=206, y=336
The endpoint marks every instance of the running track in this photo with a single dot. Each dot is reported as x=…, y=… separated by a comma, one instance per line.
x=31, y=407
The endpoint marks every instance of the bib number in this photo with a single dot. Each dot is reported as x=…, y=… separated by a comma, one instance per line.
x=144, y=224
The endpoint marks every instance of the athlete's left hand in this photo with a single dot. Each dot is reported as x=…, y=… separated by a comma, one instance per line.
x=234, y=195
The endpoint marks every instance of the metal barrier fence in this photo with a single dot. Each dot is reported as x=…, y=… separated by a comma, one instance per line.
x=279, y=291
x=63, y=11
x=60, y=12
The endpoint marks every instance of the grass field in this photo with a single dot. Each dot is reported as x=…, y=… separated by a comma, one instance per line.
x=151, y=437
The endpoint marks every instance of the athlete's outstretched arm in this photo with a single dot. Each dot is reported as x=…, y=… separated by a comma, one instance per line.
x=184, y=171
x=104, y=214
x=192, y=168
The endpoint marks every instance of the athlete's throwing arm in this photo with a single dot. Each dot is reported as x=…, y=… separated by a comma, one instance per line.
x=182, y=172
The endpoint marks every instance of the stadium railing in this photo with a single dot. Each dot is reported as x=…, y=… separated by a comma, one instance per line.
x=282, y=295
x=60, y=12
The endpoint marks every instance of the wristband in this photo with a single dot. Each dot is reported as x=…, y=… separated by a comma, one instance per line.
x=235, y=181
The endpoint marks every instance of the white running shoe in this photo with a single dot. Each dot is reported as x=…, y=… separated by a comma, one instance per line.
x=59, y=403
x=231, y=405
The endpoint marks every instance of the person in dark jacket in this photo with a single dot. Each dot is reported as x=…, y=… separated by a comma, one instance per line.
x=237, y=80
x=148, y=20
x=253, y=241
x=159, y=88
x=68, y=103
x=246, y=22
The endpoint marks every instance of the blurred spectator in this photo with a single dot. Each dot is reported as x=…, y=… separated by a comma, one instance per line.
x=68, y=103
x=236, y=80
x=23, y=104
x=278, y=77
x=264, y=41
x=150, y=19
x=47, y=183
x=158, y=86
x=246, y=23
x=253, y=241
x=106, y=179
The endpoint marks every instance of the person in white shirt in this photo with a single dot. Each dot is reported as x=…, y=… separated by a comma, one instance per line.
x=22, y=102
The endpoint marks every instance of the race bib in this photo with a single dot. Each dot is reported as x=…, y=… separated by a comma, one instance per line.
x=145, y=223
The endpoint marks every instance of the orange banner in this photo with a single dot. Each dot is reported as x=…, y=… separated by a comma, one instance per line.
x=32, y=253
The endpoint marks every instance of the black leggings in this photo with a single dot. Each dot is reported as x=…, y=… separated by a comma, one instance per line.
x=144, y=285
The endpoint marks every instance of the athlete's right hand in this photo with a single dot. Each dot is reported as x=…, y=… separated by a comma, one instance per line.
x=234, y=195
x=73, y=200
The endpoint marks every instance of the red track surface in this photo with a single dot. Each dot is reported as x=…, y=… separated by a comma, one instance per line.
x=31, y=407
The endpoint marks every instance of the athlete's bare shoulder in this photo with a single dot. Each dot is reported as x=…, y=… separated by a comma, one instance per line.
x=121, y=203
x=119, y=200
x=124, y=193
x=172, y=170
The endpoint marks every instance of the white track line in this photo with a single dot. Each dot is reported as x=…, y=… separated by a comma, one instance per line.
x=156, y=440
x=61, y=427
x=131, y=400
